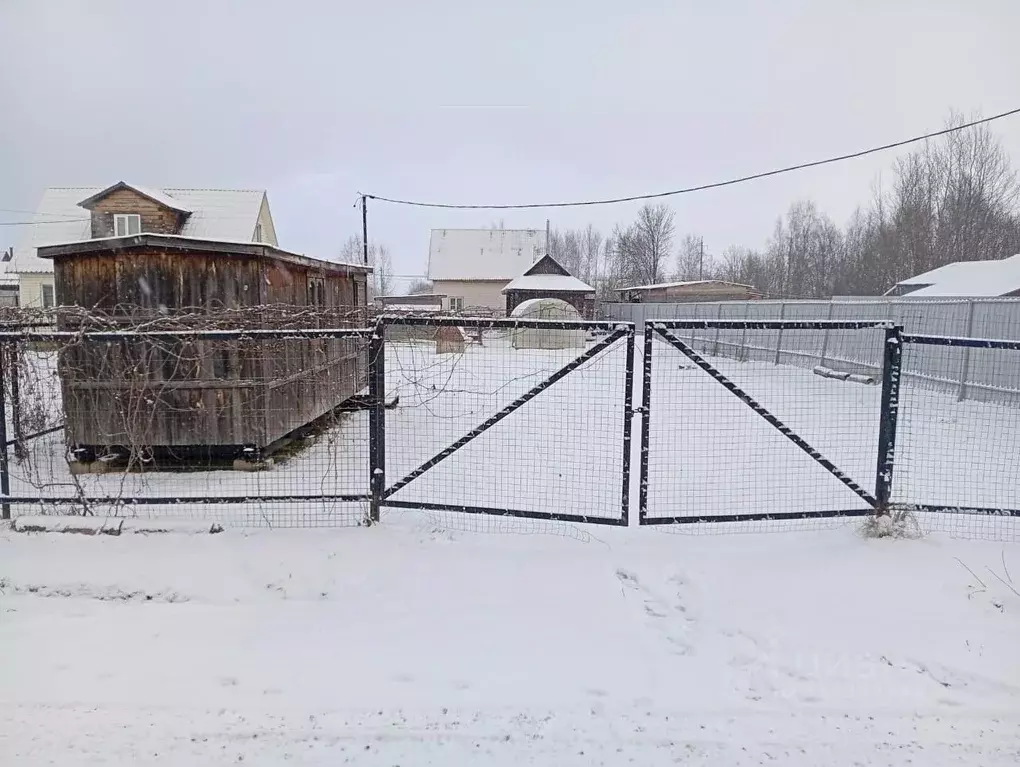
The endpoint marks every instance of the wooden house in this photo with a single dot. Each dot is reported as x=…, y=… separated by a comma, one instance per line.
x=547, y=278
x=175, y=397
x=71, y=214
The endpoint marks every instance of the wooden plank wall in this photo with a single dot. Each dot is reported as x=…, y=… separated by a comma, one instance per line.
x=208, y=393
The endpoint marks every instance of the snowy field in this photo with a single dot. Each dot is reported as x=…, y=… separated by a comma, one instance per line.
x=710, y=454
x=410, y=644
x=430, y=640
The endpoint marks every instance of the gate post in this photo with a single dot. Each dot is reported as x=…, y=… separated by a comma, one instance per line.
x=646, y=410
x=5, y=472
x=377, y=418
x=628, y=416
x=892, y=358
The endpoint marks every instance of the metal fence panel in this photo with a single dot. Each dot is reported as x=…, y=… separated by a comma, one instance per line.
x=951, y=369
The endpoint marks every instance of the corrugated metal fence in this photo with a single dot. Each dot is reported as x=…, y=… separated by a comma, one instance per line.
x=991, y=375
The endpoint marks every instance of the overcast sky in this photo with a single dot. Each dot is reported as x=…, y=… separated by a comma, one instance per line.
x=488, y=102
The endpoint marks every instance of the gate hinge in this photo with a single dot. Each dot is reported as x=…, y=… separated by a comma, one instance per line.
x=637, y=410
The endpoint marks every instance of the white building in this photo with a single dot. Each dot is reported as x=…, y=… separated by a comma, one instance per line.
x=472, y=266
x=63, y=216
x=965, y=279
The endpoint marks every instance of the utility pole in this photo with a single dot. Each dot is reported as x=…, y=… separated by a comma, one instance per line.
x=364, y=226
x=547, y=237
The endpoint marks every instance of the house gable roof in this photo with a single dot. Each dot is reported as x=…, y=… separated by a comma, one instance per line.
x=157, y=196
x=545, y=263
x=216, y=214
x=999, y=277
x=483, y=254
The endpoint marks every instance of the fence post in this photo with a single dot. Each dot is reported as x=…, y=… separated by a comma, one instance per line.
x=779, y=333
x=5, y=474
x=377, y=418
x=965, y=365
x=892, y=357
x=825, y=337
x=715, y=342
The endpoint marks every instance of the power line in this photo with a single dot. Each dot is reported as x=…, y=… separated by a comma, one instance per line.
x=703, y=187
x=30, y=212
x=38, y=223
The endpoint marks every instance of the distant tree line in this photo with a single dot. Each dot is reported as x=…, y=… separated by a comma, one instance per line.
x=953, y=199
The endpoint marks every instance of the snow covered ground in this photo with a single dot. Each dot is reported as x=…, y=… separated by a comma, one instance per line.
x=425, y=640
x=411, y=644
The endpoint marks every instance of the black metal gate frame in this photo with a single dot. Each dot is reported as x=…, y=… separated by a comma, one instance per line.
x=969, y=343
x=10, y=337
x=382, y=493
x=887, y=425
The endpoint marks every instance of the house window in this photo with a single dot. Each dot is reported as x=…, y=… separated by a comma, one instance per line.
x=47, y=296
x=126, y=224
x=456, y=303
x=258, y=233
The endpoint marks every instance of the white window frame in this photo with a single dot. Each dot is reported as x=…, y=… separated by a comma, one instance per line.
x=44, y=289
x=456, y=303
x=127, y=219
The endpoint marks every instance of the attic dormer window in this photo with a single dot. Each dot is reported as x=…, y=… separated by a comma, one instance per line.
x=126, y=224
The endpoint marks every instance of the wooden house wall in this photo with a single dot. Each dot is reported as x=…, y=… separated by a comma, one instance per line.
x=155, y=218
x=205, y=393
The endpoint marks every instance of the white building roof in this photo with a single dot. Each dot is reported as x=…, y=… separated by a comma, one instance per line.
x=483, y=254
x=157, y=195
x=966, y=278
x=216, y=214
x=549, y=283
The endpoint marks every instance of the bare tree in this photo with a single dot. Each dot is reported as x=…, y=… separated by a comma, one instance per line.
x=382, y=269
x=653, y=239
x=352, y=252
x=690, y=259
x=419, y=287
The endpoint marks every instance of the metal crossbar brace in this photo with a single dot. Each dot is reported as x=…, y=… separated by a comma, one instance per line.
x=935, y=508
x=515, y=405
x=782, y=428
x=506, y=512
x=175, y=500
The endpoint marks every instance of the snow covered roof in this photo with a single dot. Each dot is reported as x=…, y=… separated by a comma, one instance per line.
x=483, y=254
x=414, y=307
x=964, y=278
x=660, y=285
x=147, y=239
x=549, y=283
x=216, y=214
x=155, y=195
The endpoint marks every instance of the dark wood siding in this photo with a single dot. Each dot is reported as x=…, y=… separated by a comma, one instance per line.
x=155, y=217
x=583, y=302
x=206, y=394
